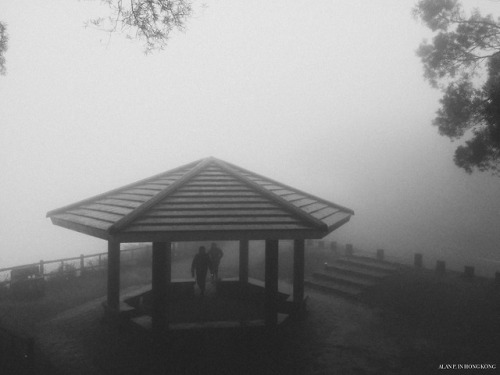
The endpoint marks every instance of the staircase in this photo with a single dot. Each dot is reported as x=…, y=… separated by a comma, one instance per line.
x=350, y=276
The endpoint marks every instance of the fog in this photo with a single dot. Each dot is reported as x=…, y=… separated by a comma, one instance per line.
x=325, y=96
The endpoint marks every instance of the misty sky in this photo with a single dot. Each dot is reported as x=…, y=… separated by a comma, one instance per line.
x=326, y=96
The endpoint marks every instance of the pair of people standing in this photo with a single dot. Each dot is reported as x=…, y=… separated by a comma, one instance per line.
x=203, y=262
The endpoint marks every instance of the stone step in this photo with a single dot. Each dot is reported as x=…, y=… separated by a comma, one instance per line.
x=344, y=279
x=369, y=264
x=364, y=273
x=346, y=291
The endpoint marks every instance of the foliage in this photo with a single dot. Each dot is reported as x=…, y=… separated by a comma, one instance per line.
x=4, y=38
x=463, y=61
x=151, y=20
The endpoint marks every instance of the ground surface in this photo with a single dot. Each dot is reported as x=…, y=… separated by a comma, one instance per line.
x=409, y=324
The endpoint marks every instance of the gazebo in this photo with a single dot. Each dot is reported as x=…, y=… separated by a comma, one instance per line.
x=205, y=200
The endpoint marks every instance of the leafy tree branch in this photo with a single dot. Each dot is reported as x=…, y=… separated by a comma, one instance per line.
x=463, y=61
x=150, y=20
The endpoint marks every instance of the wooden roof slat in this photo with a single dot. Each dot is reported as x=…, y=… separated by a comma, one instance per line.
x=293, y=197
x=107, y=208
x=93, y=223
x=214, y=220
x=215, y=200
x=98, y=215
x=209, y=183
x=337, y=219
x=282, y=192
x=215, y=206
x=119, y=203
x=303, y=202
x=212, y=178
x=216, y=188
x=146, y=192
x=229, y=227
x=314, y=207
x=242, y=194
x=131, y=197
x=213, y=212
x=324, y=212
x=152, y=186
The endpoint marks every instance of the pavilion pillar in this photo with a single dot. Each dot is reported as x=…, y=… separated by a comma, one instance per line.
x=271, y=286
x=298, y=274
x=113, y=300
x=244, y=261
x=161, y=282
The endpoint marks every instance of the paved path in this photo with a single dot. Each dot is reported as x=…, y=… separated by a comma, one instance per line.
x=336, y=335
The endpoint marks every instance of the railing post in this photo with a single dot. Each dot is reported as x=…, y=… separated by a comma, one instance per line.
x=42, y=271
x=418, y=261
x=82, y=264
x=348, y=250
x=380, y=254
x=440, y=267
x=469, y=272
x=334, y=247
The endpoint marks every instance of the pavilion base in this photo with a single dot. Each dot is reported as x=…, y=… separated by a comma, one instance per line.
x=228, y=304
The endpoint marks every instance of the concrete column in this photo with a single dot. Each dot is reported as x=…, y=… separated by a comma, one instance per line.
x=271, y=292
x=113, y=300
x=161, y=280
x=298, y=273
x=244, y=244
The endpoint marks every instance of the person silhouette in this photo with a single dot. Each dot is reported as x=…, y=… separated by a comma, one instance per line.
x=199, y=267
x=215, y=254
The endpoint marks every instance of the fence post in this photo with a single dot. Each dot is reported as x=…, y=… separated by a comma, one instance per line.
x=380, y=254
x=334, y=247
x=42, y=271
x=348, y=250
x=418, y=260
x=469, y=272
x=440, y=267
x=82, y=264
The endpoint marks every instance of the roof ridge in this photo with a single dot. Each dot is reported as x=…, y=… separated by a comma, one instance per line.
x=275, y=198
x=127, y=219
x=307, y=195
x=128, y=186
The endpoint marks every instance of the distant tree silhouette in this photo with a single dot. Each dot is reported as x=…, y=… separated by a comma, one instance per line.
x=463, y=61
x=3, y=47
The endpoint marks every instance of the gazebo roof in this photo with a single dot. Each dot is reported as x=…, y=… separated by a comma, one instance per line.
x=209, y=199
